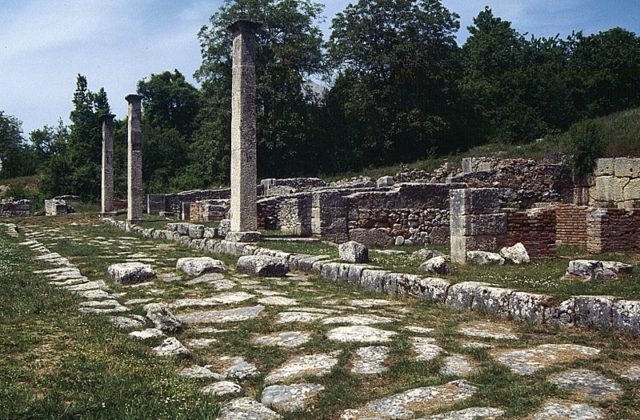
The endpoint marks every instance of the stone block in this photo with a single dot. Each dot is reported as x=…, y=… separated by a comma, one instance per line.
x=373, y=280
x=331, y=271
x=409, y=285
x=475, y=201
x=529, y=307
x=627, y=167
x=385, y=181
x=195, y=266
x=372, y=237
x=484, y=258
x=251, y=237
x=604, y=166
x=626, y=315
x=390, y=284
x=561, y=314
x=196, y=231
x=478, y=224
x=516, y=254
x=460, y=295
x=131, y=273
x=460, y=245
x=593, y=311
x=608, y=189
x=354, y=252
x=435, y=265
x=263, y=266
x=492, y=300
x=631, y=192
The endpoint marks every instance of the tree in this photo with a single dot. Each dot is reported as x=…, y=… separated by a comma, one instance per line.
x=396, y=64
x=288, y=53
x=11, y=146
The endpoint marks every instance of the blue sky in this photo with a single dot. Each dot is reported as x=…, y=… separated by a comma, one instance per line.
x=44, y=44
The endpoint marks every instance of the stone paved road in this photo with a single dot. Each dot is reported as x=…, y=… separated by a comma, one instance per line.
x=301, y=347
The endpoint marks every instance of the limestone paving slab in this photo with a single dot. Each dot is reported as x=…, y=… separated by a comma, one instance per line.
x=425, y=348
x=227, y=315
x=472, y=413
x=277, y=301
x=147, y=334
x=289, y=398
x=200, y=343
x=488, y=329
x=127, y=322
x=358, y=320
x=224, y=388
x=199, y=372
x=284, y=339
x=588, y=384
x=246, y=408
x=631, y=373
x=418, y=330
x=302, y=366
x=372, y=303
x=360, y=334
x=405, y=404
x=217, y=280
x=298, y=317
x=170, y=347
x=530, y=360
x=370, y=360
x=236, y=367
x=220, y=299
x=458, y=365
x=568, y=410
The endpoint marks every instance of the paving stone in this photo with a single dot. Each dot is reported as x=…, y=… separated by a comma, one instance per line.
x=316, y=310
x=418, y=330
x=298, y=317
x=224, y=388
x=218, y=281
x=530, y=360
x=146, y=334
x=457, y=365
x=425, y=348
x=169, y=277
x=90, y=285
x=170, y=347
x=195, y=266
x=262, y=265
x=163, y=319
x=568, y=410
x=139, y=301
x=302, y=366
x=370, y=360
x=588, y=384
x=488, y=329
x=472, y=413
x=199, y=343
x=270, y=293
x=284, y=339
x=220, y=299
x=131, y=272
x=228, y=315
x=476, y=345
x=631, y=373
x=199, y=372
x=289, y=398
x=360, y=334
x=126, y=322
x=405, y=404
x=246, y=408
x=372, y=303
x=277, y=301
x=235, y=367
x=358, y=320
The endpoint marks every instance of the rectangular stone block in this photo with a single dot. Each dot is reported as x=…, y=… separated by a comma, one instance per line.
x=461, y=295
x=627, y=167
x=604, y=166
x=475, y=201
x=593, y=311
x=626, y=315
x=461, y=244
x=528, y=307
x=492, y=300
x=479, y=224
x=373, y=280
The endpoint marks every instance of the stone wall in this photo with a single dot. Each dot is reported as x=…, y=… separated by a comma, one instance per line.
x=274, y=186
x=613, y=230
x=534, y=228
x=14, y=208
x=616, y=183
x=173, y=201
x=571, y=224
x=209, y=210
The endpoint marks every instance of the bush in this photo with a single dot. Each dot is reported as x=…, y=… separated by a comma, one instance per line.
x=584, y=146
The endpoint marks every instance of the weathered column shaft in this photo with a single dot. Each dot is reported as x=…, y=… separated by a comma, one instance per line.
x=134, y=161
x=243, y=128
x=107, y=164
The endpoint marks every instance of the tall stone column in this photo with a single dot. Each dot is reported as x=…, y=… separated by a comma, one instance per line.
x=243, y=210
x=107, y=164
x=134, y=161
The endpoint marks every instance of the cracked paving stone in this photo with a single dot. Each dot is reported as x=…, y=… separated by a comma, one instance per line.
x=200, y=343
x=222, y=388
x=588, y=384
x=425, y=348
x=146, y=334
x=358, y=320
x=370, y=360
x=139, y=301
x=96, y=284
x=360, y=334
x=126, y=322
x=284, y=339
x=457, y=365
x=487, y=329
x=530, y=360
x=305, y=365
x=216, y=280
x=170, y=347
x=221, y=299
x=235, y=367
x=405, y=404
x=199, y=372
x=568, y=410
x=631, y=373
x=316, y=310
x=227, y=315
x=418, y=330
x=288, y=398
x=277, y=301
x=95, y=294
x=298, y=317
x=246, y=408
x=476, y=345
x=472, y=413
x=372, y=303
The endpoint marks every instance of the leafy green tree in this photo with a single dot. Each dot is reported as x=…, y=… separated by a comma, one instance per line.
x=288, y=53
x=11, y=146
x=396, y=63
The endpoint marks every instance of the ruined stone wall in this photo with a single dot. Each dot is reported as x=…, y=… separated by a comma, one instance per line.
x=616, y=183
x=209, y=210
x=173, y=201
x=279, y=186
x=290, y=214
x=14, y=208
x=613, y=230
x=534, y=228
x=571, y=224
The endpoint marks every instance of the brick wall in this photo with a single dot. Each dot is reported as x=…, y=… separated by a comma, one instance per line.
x=571, y=224
x=613, y=230
x=535, y=228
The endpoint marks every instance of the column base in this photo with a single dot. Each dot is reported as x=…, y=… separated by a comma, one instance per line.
x=251, y=236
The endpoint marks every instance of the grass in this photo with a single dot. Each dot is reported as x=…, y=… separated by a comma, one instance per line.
x=59, y=363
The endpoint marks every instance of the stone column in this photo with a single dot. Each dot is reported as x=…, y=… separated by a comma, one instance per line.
x=107, y=164
x=134, y=161
x=243, y=211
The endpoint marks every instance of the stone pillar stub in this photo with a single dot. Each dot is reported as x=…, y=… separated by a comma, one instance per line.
x=135, y=198
x=106, y=196
x=243, y=210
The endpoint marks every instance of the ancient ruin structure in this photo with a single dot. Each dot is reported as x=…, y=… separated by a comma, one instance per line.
x=134, y=161
x=107, y=165
x=243, y=128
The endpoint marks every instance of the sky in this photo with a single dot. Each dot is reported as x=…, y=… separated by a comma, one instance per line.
x=44, y=44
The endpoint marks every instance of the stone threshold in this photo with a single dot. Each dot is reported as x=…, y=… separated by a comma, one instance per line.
x=597, y=312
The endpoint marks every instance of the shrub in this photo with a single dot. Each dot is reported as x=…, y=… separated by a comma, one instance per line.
x=584, y=146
